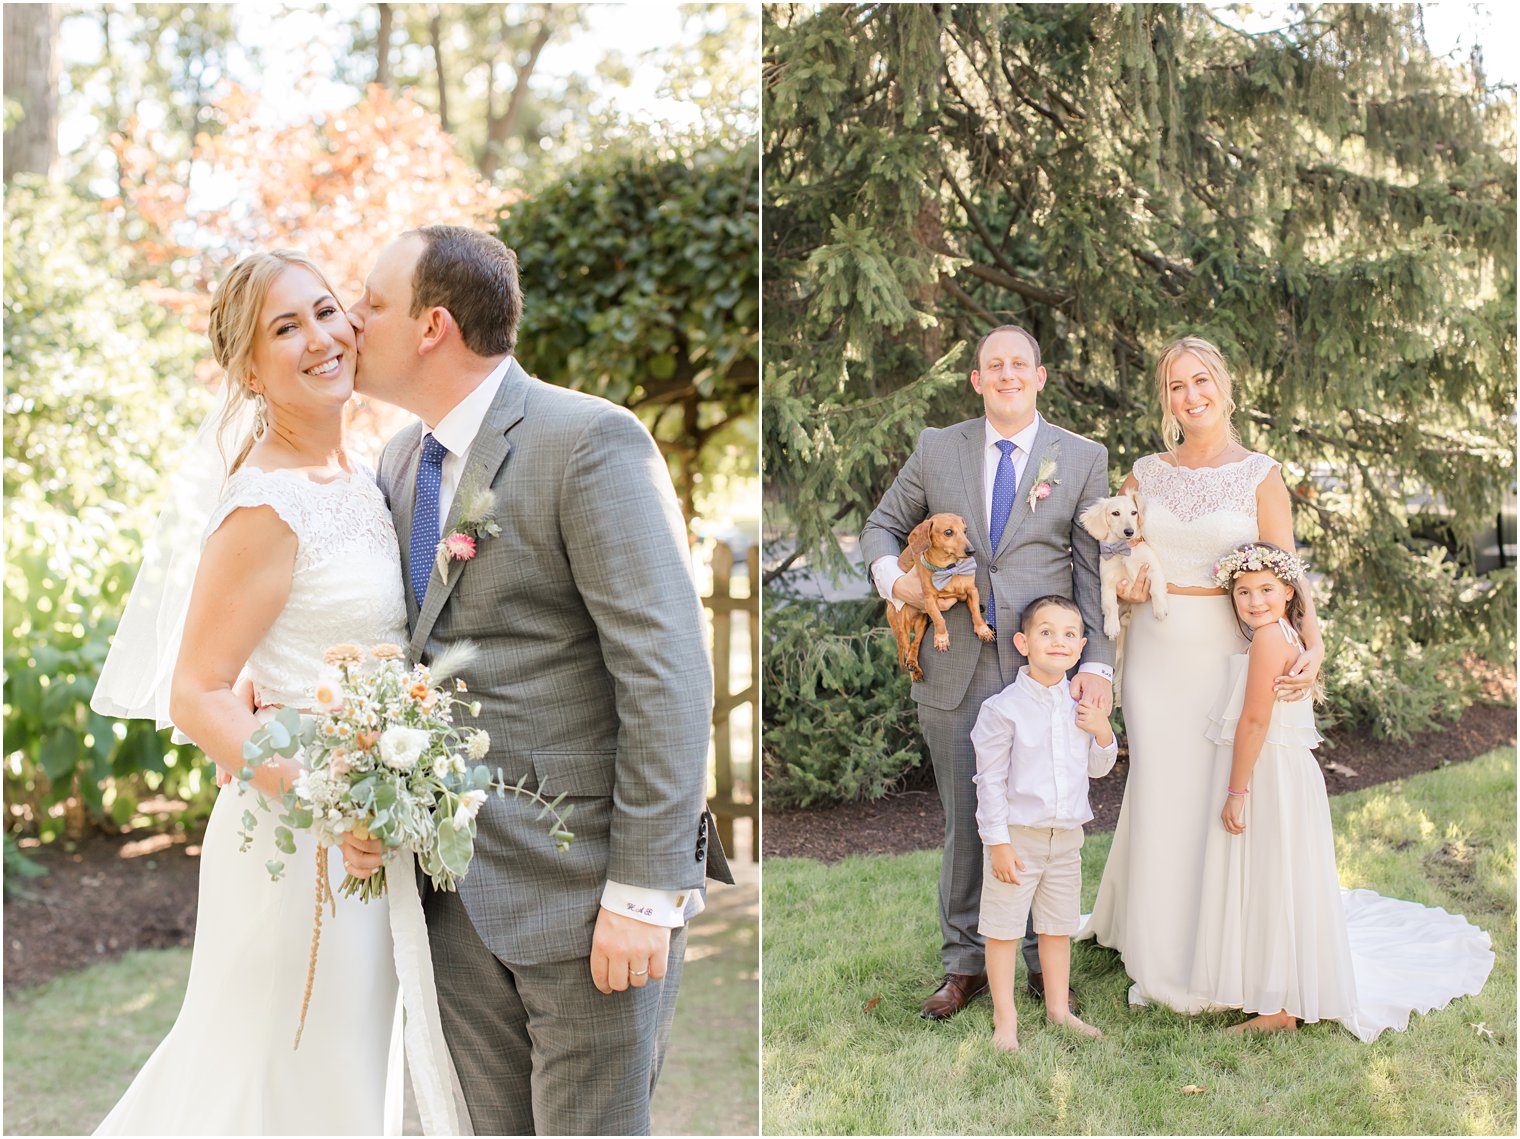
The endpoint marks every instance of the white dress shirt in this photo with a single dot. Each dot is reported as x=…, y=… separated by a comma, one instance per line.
x=885, y=571
x=1032, y=761
x=457, y=431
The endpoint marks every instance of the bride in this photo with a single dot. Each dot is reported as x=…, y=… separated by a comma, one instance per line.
x=1165, y=900
x=299, y=553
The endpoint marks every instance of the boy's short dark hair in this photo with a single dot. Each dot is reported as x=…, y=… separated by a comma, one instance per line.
x=1039, y=603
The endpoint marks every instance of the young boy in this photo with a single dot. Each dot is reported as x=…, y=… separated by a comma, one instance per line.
x=1036, y=748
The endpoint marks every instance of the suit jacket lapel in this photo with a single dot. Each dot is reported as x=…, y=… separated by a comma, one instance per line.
x=487, y=454
x=1044, y=444
x=974, y=472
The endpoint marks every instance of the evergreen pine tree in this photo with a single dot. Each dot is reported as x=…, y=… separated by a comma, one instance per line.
x=1327, y=201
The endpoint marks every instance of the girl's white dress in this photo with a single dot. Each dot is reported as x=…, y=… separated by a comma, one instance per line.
x=227, y=1066
x=1277, y=932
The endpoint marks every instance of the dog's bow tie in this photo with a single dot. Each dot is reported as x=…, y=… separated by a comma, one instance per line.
x=1116, y=549
x=941, y=576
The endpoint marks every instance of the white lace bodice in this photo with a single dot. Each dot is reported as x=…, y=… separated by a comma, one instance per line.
x=347, y=581
x=1194, y=516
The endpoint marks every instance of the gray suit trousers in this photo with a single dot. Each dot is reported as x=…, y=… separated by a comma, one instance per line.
x=948, y=734
x=594, y=1057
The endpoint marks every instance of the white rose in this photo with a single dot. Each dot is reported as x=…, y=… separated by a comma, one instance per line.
x=469, y=806
x=400, y=748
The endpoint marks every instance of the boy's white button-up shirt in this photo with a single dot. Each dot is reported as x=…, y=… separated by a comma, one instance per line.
x=1032, y=761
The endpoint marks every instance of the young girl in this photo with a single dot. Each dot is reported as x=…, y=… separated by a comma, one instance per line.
x=1277, y=935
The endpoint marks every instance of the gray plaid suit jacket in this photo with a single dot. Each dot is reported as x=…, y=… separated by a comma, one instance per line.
x=1042, y=551
x=593, y=674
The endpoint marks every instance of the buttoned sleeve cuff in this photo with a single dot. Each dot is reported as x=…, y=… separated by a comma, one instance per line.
x=884, y=572
x=995, y=835
x=668, y=908
x=1100, y=759
x=1099, y=668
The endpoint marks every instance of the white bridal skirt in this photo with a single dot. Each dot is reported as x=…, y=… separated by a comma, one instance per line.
x=1147, y=905
x=227, y=1066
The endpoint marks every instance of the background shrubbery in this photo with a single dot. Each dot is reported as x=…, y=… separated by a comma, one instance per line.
x=839, y=721
x=99, y=399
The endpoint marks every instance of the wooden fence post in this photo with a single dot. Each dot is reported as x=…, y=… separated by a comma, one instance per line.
x=727, y=608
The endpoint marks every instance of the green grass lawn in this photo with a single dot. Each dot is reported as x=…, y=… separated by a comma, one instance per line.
x=73, y=1044
x=851, y=949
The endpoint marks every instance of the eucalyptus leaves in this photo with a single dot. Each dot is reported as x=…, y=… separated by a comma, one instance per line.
x=384, y=757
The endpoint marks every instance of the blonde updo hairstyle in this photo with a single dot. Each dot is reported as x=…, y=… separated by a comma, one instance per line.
x=1213, y=363
x=233, y=328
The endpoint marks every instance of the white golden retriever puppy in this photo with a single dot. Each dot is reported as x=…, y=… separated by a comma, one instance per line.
x=1118, y=524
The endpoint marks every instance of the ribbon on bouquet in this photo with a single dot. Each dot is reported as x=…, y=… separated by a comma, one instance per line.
x=440, y=1102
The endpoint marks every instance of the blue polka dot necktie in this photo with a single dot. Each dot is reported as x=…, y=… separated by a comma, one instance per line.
x=1005, y=485
x=425, y=519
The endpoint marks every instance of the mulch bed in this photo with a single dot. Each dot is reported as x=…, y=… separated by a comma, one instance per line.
x=110, y=893
x=914, y=820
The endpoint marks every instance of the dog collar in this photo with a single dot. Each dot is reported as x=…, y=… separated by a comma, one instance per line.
x=941, y=575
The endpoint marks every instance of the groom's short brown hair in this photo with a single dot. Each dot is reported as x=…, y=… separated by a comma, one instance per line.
x=474, y=276
x=990, y=333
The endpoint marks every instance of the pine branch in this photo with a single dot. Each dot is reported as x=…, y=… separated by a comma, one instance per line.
x=1055, y=298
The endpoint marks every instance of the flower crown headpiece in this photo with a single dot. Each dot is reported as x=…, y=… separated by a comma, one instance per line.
x=1288, y=567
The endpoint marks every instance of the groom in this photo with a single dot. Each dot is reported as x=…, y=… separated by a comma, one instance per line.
x=556, y=972
x=1020, y=483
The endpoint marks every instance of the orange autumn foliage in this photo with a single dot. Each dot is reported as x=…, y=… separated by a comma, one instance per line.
x=336, y=187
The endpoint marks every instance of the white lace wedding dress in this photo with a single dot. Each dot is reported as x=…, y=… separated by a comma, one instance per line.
x=227, y=1066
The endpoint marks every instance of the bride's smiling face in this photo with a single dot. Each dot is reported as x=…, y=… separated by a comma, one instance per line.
x=1194, y=395
x=303, y=350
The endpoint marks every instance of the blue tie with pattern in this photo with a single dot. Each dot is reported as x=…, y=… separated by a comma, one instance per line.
x=425, y=520
x=1004, y=487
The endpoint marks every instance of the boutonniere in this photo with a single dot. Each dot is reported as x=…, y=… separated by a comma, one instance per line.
x=1043, y=481
x=476, y=523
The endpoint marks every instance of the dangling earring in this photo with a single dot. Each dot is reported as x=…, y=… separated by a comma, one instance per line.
x=260, y=414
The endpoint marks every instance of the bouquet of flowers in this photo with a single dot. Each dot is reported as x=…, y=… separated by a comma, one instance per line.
x=384, y=758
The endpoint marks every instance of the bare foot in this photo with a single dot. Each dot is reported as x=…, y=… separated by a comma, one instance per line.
x=1267, y=1022
x=1072, y=1022
x=1005, y=1038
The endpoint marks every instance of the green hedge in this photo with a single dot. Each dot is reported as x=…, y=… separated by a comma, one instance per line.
x=839, y=721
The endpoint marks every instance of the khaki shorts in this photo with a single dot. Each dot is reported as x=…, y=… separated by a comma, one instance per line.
x=1050, y=885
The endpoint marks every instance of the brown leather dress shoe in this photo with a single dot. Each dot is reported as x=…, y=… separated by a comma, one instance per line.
x=955, y=993
x=1037, y=991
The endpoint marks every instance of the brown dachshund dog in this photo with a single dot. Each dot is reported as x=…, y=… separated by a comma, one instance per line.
x=937, y=549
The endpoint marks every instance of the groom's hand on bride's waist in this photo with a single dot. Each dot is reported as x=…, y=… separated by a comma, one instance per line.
x=626, y=951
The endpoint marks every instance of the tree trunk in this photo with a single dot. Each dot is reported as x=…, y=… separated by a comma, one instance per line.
x=118, y=120
x=383, y=46
x=499, y=128
x=435, y=36
x=31, y=79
